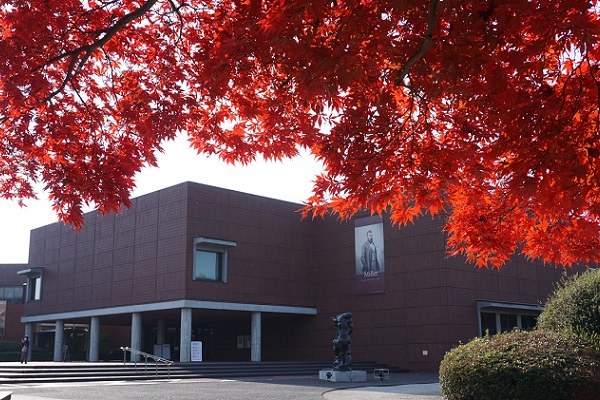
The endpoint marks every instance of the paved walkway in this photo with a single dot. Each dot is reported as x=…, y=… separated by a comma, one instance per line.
x=425, y=391
x=406, y=386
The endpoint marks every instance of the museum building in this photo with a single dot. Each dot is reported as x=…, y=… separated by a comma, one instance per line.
x=251, y=280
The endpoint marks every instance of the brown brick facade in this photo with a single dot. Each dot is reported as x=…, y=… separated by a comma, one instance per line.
x=144, y=255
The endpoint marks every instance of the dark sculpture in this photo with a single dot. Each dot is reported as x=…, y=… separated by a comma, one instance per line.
x=341, y=344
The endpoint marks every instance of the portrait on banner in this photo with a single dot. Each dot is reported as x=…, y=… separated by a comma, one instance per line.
x=369, y=255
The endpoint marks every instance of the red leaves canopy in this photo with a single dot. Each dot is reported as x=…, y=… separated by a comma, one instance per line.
x=487, y=111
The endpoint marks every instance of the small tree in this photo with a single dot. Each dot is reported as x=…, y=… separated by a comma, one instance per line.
x=575, y=307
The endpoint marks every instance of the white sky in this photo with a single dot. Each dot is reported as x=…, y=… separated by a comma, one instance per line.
x=290, y=180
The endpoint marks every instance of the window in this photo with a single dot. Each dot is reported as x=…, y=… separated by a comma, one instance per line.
x=34, y=283
x=35, y=292
x=503, y=321
x=208, y=265
x=210, y=259
x=508, y=322
x=497, y=317
x=528, y=322
x=488, y=323
x=11, y=294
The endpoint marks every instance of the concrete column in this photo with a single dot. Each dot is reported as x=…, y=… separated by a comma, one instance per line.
x=136, y=334
x=185, y=341
x=94, y=339
x=256, y=337
x=59, y=339
x=29, y=334
x=161, y=332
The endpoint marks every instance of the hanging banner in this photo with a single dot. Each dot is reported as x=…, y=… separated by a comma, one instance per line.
x=369, y=255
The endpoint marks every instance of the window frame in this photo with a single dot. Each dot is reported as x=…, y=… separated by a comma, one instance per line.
x=210, y=245
x=34, y=283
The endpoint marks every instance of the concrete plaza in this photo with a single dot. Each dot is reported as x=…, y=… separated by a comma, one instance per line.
x=405, y=386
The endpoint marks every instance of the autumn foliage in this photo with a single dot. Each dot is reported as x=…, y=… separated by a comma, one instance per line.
x=485, y=111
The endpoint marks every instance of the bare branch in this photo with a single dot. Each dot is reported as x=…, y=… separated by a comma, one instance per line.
x=424, y=46
x=77, y=63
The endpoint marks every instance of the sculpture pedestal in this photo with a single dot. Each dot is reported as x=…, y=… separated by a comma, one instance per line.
x=342, y=376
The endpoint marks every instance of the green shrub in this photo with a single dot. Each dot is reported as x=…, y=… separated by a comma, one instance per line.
x=10, y=346
x=11, y=351
x=541, y=365
x=575, y=307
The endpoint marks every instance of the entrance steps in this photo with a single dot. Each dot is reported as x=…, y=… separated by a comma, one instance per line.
x=63, y=372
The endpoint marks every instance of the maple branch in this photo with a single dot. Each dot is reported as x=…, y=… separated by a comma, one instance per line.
x=75, y=66
x=424, y=46
x=564, y=95
x=598, y=90
x=176, y=9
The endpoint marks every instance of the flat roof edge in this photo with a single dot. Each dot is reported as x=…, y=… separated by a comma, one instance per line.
x=169, y=305
x=493, y=304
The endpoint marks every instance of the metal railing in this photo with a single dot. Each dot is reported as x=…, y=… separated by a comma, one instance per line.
x=146, y=356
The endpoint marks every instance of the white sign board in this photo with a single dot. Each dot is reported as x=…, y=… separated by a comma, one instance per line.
x=196, y=351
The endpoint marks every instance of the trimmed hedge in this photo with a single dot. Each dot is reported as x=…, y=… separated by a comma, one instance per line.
x=10, y=346
x=541, y=365
x=575, y=307
x=11, y=351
